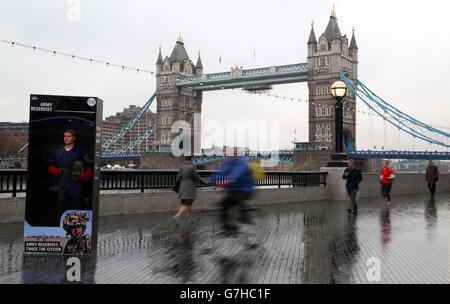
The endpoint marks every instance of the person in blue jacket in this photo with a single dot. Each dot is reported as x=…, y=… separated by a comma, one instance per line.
x=237, y=177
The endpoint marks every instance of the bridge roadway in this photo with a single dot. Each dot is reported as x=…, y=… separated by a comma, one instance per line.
x=246, y=78
x=314, y=242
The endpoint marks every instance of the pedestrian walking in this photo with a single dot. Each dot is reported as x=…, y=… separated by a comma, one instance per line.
x=185, y=186
x=432, y=176
x=387, y=176
x=353, y=177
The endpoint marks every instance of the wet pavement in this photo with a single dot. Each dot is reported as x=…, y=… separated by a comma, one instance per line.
x=316, y=242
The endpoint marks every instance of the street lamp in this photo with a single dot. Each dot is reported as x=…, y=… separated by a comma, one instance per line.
x=338, y=91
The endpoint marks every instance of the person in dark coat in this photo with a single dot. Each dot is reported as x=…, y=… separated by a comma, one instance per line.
x=186, y=189
x=353, y=177
x=432, y=176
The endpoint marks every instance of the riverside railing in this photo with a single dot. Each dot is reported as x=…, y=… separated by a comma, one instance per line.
x=14, y=180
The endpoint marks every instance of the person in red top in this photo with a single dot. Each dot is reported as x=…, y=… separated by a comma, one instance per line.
x=386, y=178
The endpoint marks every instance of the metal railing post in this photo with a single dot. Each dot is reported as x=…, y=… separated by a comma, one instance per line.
x=14, y=184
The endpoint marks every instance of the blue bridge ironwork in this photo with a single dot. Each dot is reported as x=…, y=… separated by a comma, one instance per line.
x=282, y=157
x=400, y=155
x=117, y=157
x=250, y=78
x=287, y=156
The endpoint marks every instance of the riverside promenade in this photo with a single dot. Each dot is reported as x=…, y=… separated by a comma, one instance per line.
x=299, y=242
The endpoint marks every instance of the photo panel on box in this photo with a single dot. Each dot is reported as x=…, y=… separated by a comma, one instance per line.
x=63, y=174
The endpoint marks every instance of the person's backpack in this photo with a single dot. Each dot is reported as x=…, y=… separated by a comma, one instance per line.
x=257, y=171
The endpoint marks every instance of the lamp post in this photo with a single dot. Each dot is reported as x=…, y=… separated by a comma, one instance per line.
x=338, y=91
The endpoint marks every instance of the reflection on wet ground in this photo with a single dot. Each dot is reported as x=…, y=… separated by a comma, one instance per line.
x=315, y=242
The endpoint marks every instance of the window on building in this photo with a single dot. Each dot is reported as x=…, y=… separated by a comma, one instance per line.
x=318, y=135
x=166, y=66
x=166, y=103
x=322, y=61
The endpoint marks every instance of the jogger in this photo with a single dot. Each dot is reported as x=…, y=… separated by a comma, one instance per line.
x=386, y=178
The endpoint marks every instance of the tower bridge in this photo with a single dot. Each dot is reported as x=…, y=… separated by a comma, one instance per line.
x=331, y=56
x=180, y=85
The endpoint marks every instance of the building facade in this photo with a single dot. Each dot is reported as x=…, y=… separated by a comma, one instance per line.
x=327, y=57
x=114, y=123
x=174, y=104
x=13, y=137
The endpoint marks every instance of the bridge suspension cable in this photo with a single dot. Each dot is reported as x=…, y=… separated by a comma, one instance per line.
x=369, y=112
x=128, y=149
x=74, y=56
x=396, y=117
x=433, y=138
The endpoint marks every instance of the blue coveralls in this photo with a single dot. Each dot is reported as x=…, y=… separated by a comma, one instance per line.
x=68, y=189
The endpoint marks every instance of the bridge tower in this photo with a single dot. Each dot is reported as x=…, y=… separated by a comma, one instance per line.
x=326, y=58
x=174, y=104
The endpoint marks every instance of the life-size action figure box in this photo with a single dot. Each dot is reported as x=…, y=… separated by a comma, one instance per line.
x=61, y=211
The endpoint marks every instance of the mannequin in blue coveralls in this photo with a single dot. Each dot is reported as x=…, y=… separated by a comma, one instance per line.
x=69, y=166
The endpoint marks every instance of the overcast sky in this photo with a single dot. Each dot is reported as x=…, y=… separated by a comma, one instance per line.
x=403, y=55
